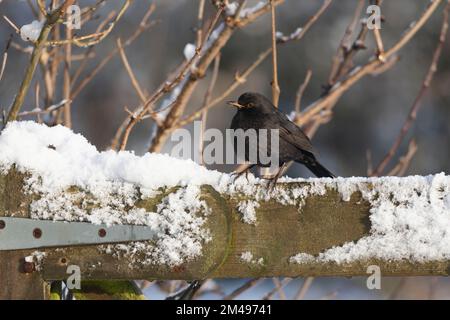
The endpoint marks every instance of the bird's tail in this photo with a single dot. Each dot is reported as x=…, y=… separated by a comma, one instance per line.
x=319, y=170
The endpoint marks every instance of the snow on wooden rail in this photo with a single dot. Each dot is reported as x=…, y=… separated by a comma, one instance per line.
x=210, y=225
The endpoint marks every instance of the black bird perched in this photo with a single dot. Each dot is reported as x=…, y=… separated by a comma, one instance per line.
x=257, y=112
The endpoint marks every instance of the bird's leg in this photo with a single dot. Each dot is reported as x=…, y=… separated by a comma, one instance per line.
x=273, y=181
x=245, y=170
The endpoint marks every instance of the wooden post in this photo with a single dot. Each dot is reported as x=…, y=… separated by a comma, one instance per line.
x=16, y=282
x=18, y=279
x=307, y=223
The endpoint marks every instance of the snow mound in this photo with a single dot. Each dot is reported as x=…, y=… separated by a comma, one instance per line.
x=62, y=159
x=410, y=219
x=109, y=184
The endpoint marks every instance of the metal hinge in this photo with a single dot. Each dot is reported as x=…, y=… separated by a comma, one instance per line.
x=23, y=233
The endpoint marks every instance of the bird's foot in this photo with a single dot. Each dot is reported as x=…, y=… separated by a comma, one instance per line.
x=238, y=174
x=272, y=183
x=273, y=180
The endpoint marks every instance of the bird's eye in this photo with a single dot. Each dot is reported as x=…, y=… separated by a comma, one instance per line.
x=250, y=105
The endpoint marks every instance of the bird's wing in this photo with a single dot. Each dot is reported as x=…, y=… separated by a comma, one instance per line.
x=291, y=133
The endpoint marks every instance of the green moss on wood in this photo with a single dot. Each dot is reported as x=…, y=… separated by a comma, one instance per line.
x=107, y=290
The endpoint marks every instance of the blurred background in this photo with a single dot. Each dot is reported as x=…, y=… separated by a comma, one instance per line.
x=366, y=119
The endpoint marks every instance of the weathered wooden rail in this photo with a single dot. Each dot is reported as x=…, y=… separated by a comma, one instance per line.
x=322, y=222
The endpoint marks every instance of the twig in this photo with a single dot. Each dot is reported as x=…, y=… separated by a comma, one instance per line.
x=5, y=57
x=301, y=90
x=380, y=46
x=88, y=11
x=95, y=38
x=275, y=84
x=144, y=25
x=278, y=288
x=18, y=47
x=12, y=24
x=237, y=81
x=206, y=288
x=404, y=161
x=208, y=93
x=417, y=102
x=304, y=288
x=344, y=46
x=90, y=50
x=369, y=162
x=38, y=111
x=41, y=6
x=176, y=111
x=397, y=290
x=130, y=72
x=249, y=284
x=33, y=9
x=299, y=35
x=37, y=101
x=66, y=84
x=35, y=56
x=385, y=66
x=359, y=72
x=241, y=78
x=167, y=87
x=201, y=10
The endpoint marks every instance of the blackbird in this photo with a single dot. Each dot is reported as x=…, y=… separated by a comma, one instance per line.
x=254, y=111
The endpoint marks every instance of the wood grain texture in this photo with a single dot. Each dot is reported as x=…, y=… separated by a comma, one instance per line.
x=14, y=282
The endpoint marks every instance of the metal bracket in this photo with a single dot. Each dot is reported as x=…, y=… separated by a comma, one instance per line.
x=23, y=233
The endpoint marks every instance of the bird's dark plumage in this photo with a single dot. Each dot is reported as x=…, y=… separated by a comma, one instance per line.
x=257, y=112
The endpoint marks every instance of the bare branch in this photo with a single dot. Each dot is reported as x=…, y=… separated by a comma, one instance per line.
x=67, y=80
x=168, y=87
x=51, y=21
x=417, y=102
x=95, y=38
x=345, y=43
x=301, y=91
x=404, y=161
x=212, y=83
x=144, y=25
x=304, y=288
x=130, y=72
x=242, y=78
x=5, y=58
x=278, y=289
x=248, y=285
x=275, y=84
x=359, y=72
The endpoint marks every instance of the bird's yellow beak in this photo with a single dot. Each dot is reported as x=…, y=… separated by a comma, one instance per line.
x=235, y=104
